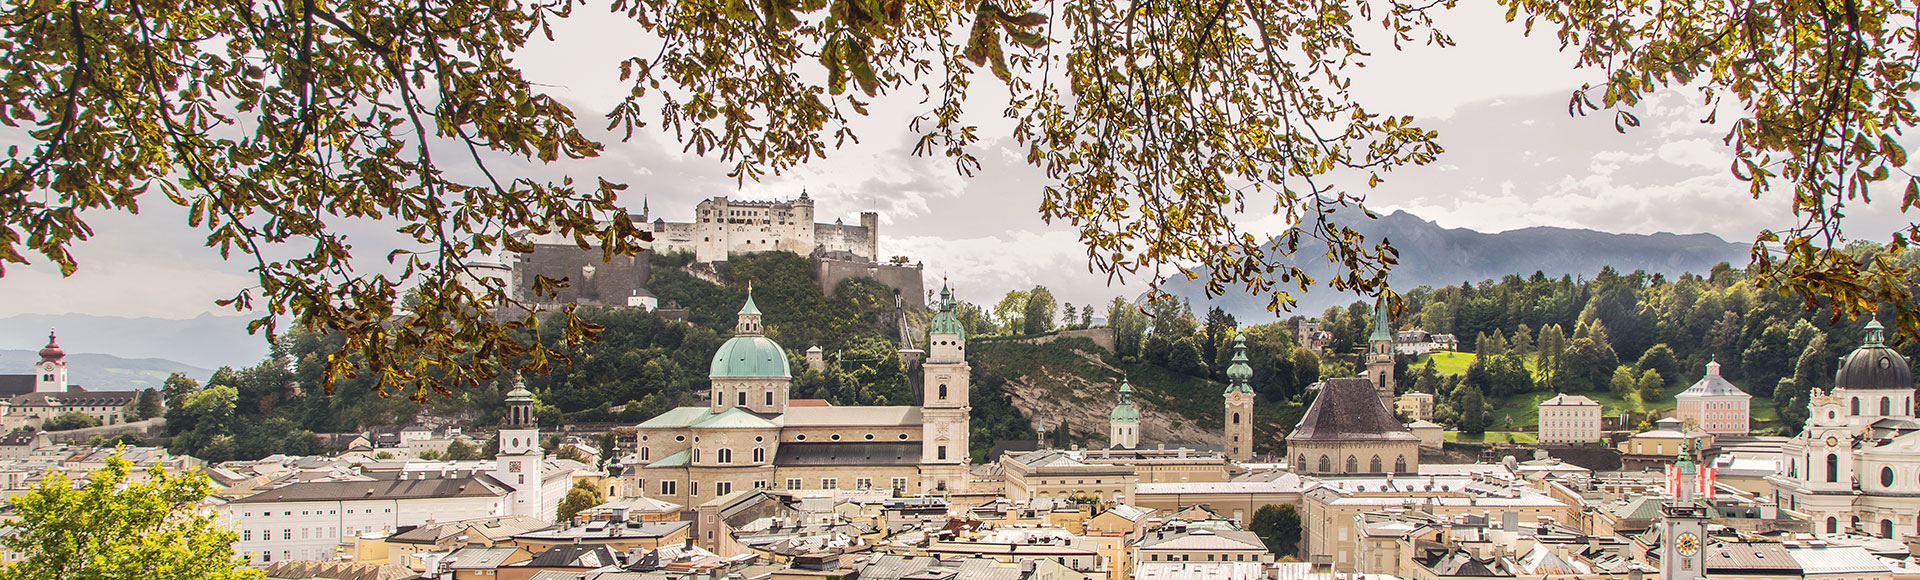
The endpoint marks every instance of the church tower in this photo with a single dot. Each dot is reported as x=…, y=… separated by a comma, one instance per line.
x=1123, y=425
x=1380, y=354
x=1683, y=525
x=1238, y=438
x=945, y=406
x=518, y=464
x=51, y=371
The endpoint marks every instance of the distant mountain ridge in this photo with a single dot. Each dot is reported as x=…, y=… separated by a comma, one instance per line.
x=1431, y=255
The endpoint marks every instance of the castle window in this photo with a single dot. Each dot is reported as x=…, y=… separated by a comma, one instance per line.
x=1326, y=465
x=1353, y=464
x=1400, y=464
x=1374, y=466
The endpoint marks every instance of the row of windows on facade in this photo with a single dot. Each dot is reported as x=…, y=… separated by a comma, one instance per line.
x=1353, y=464
x=720, y=488
x=1833, y=471
x=1886, y=526
x=1886, y=405
x=1189, y=558
x=309, y=512
x=760, y=453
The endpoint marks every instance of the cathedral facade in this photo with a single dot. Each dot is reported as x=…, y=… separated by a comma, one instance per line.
x=751, y=435
x=1856, y=466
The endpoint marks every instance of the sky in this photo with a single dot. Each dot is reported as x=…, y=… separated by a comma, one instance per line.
x=1514, y=159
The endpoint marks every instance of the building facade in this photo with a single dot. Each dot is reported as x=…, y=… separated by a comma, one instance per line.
x=51, y=395
x=752, y=436
x=1855, y=468
x=1716, y=406
x=1569, y=419
x=1346, y=431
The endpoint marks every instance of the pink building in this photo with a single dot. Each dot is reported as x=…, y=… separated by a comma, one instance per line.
x=1715, y=405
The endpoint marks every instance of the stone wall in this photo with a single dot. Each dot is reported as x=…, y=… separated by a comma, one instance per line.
x=591, y=279
x=905, y=281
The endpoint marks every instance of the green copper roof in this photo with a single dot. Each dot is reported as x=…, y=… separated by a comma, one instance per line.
x=1381, y=327
x=1124, y=412
x=733, y=418
x=519, y=392
x=749, y=308
x=679, y=459
x=946, y=322
x=750, y=356
x=1239, y=372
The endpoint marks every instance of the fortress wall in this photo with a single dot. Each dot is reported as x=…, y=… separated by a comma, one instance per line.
x=904, y=280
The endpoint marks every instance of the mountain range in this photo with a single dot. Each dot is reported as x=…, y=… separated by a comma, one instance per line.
x=104, y=372
x=204, y=342
x=1431, y=255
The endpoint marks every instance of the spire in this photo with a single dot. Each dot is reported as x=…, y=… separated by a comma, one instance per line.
x=1876, y=334
x=1382, y=330
x=52, y=352
x=1239, y=372
x=749, y=323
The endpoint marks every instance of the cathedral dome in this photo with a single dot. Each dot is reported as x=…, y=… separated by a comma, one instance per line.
x=1874, y=365
x=750, y=357
x=750, y=354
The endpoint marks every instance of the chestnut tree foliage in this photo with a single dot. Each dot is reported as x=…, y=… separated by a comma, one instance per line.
x=1159, y=124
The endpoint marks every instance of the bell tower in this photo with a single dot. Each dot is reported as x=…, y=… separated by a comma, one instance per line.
x=50, y=374
x=945, y=404
x=1123, y=425
x=1238, y=422
x=519, y=462
x=1683, y=525
x=1380, y=354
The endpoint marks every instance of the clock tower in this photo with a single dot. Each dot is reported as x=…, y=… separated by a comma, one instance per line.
x=1683, y=525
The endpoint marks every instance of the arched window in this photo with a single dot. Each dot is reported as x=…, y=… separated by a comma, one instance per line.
x=1326, y=465
x=1886, y=477
x=1886, y=406
x=742, y=398
x=1856, y=525
x=1400, y=464
x=1793, y=468
x=724, y=455
x=696, y=455
x=1833, y=525
x=1353, y=464
x=1833, y=468
x=1301, y=463
x=1886, y=528
x=1236, y=418
x=644, y=454
x=1374, y=466
x=1856, y=405
x=759, y=455
x=943, y=391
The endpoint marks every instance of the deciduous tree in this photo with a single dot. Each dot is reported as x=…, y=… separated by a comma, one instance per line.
x=117, y=526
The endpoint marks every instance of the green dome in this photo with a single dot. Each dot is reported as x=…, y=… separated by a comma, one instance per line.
x=1239, y=372
x=750, y=356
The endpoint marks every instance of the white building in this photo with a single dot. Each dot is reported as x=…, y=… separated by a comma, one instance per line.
x=1715, y=405
x=1856, y=466
x=1569, y=419
x=722, y=227
x=307, y=520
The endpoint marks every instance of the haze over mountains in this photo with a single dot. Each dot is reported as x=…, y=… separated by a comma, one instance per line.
x=206, y=341
x=1431, y=255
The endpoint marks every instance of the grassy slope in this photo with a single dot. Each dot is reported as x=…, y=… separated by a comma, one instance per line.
x=1521, y=412
x=1197, y=400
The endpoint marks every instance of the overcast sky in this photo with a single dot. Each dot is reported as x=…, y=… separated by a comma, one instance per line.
x=1514, y=159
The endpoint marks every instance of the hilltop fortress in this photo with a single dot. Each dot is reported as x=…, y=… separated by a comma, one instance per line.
x=724, y=227
x=721, y=228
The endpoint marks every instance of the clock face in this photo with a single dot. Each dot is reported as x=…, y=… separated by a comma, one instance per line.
x=1833, y=441
x=1688, y=544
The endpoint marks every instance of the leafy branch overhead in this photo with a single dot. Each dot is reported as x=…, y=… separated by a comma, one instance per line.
x=1163, y=128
